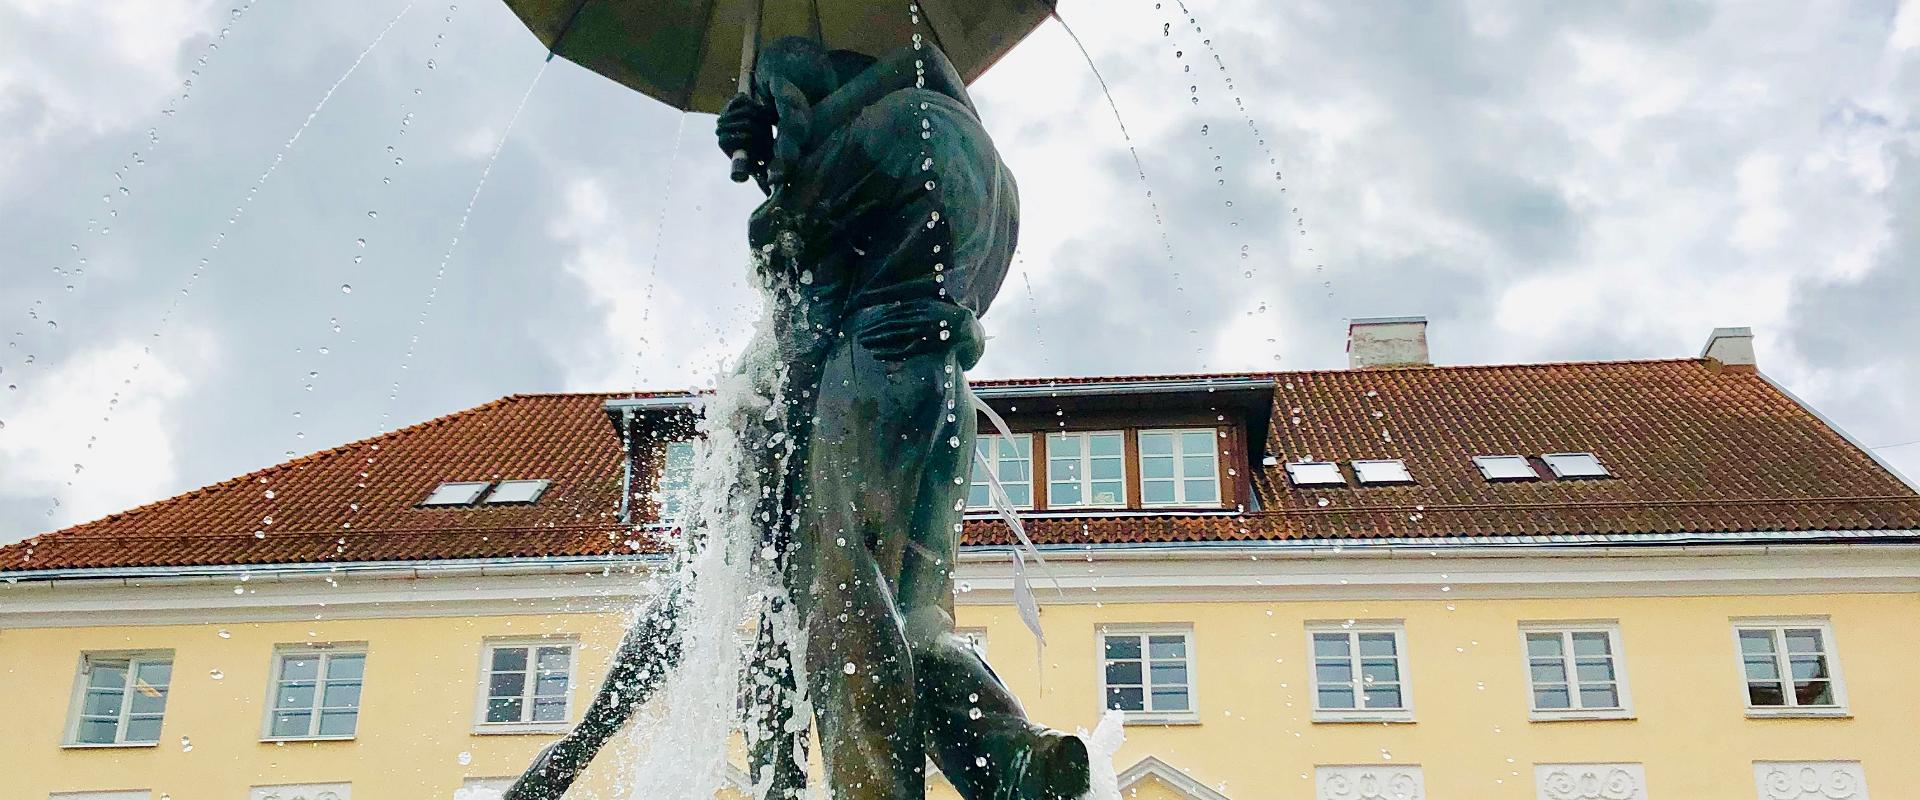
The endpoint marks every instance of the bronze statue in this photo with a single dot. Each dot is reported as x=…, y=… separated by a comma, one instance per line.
x=889, y=225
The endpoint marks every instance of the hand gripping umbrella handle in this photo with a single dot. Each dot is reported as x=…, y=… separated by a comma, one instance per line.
x=749, y=51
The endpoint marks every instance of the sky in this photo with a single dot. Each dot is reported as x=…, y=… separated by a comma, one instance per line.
x=234, y=231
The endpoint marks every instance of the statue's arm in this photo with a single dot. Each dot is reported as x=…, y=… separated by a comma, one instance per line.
x=891, y=73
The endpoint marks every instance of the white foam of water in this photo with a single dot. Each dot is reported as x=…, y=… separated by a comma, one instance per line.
x=1102, y=745
x=476, y=793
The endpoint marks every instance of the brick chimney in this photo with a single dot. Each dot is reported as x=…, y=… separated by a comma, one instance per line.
x=1387, y=342
x=1730, y=346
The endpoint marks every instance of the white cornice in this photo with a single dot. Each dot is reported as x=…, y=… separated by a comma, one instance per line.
x=1180, y=782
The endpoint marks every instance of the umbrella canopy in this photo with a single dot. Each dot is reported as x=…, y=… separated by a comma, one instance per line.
x=688, y=53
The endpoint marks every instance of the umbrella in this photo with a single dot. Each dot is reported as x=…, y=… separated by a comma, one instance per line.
x=695, y=55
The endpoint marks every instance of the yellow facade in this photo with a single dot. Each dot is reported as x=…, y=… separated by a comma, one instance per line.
x=1254, y=736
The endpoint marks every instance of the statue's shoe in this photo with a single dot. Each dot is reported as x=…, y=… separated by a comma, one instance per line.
x=1058, y=768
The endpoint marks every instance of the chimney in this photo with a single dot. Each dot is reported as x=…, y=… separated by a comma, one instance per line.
x=1387, y=342
x=1730, y=346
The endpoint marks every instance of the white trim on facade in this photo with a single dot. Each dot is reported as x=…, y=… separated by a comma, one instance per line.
x=1153, y=767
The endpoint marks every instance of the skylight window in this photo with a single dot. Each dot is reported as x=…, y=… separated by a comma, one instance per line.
x=1576, y=465
x=456, y=493
x=1505, y=468
x=1315, y=473
x=1380, y=472
x=517, y=492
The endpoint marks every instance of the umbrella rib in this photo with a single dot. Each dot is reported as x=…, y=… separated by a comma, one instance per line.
x=566, y=28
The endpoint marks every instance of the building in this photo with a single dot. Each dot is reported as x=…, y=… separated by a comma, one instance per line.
x=1664, y=580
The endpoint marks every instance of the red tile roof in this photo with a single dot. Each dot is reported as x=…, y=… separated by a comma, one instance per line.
x=1695, y=448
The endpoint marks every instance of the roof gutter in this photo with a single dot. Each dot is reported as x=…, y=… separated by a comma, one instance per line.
x=441, y=568
x=1125, y=387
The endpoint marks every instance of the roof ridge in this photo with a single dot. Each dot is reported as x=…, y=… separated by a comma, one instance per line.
x=291, y=463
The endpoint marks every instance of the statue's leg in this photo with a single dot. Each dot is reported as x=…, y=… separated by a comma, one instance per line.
x=650, y=649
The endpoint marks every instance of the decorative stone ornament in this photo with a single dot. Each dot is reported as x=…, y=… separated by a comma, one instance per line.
x=1809, y=780
x=1397, y=782
x=1590, y=781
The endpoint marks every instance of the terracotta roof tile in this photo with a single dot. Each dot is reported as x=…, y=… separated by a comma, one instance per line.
x=1694, y=448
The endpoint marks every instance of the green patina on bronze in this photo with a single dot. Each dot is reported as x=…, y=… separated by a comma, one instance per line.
x=889, y=226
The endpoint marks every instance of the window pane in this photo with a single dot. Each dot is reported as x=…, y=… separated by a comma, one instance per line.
x=143, y=729
x=102, y=703
x=1808, y=667
x=1380, y=670
x=1203, y=491
x=1762, y=669
x=1019, y=494
x=1543, y=645
x=294, y=695
x=1106, y=469
x=1334, y=697
x=1127, y=698
x=338, y=723
x=1156, y=444
x=1063, y=494
x=147, y=700
x=1803, y=640
x=1123, y=647
x=1156, y=468
x=509, y=659
x=1594, y=671
x=1197, y=466
x=1123, y=673
x=154, y=673
x=553, y=658
x=1376, y=644
x=1387, y=696
x=1333, y=671
x=1546, y=697
x=1196, y=442
x=551, y=685
x=1549, y=672
x=1103, y=444
x=1756, y=642
x=503, y=709
x=299, y=668
x=506, y=684
x=1156, y=491
x=1590, y=644
x=549, y=710
x=1599, y=697
x=1814, y=693
x=96, y=731
x=1330, y=645
x=341, y=695
x=1106, y=493
x=1172, y=673
x=1765, y=694
x=1159, y=647
x=979, y=496
x=293, y=723
x=1173, y=699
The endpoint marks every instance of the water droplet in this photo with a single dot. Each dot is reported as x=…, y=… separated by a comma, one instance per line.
x=224, y=634
x=360, y=242
x=186, y=745
x=346, y=288
x=849, y=668
x=464, y=758
x=217, y=675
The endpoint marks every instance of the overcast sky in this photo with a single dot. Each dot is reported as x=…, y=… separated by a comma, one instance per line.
x=1542, y=181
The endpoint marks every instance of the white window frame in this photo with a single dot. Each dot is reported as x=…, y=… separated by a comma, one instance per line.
x=1482, y=463
x=483, y=487
x=1362, y=465
x=1830, y=650
x=538, y=489
x=993, y=459
x=484, y=685
x=1352, y=628
x=1558, y=475
x=1190, y=716
x=1293, y=478
x=1086, y=468
x=1566, y=629
x=662, y=494
x=326, y=652
x=76, y=703
x=1179, y=467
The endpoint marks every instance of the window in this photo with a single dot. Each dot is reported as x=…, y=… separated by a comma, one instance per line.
x=1086, y=469
x=316, y=694
x=1380, y=472
x=1011, y=461
x=456, y=493
x=1359, y=672
x=517, y=492
x=1575, y=465
x=527, y=683
x=1179, y=467
x=1146, y=673
x=1315, y=473
x=121, y=698
x=676, y=480
x=1505, y=468
x=1789, y=668
x=1574, y=671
